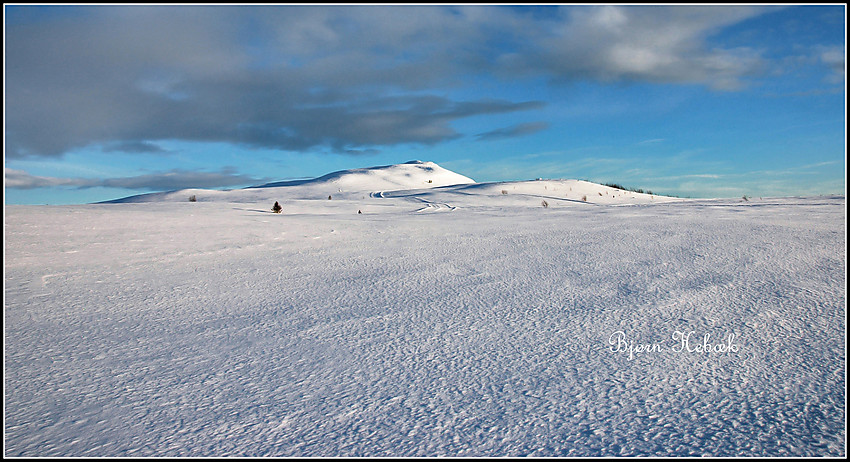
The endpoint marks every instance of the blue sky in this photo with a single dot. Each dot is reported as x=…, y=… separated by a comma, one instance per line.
x=104, y=102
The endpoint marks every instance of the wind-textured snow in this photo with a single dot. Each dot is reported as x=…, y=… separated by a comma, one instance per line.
x=457, y=320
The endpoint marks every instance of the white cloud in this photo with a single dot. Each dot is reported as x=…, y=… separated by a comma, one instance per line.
x=835, y=58
x=514, y=131
x=653, y=44
x=19, y=179
x=174, y=179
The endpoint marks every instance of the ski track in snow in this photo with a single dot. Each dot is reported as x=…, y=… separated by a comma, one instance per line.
x=213, y=329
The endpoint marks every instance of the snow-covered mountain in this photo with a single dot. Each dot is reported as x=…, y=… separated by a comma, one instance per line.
x=342, y=184
x=409, y=175
x=417, y=181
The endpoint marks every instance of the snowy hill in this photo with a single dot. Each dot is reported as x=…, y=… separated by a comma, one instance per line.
x=416, y=182
x=343, y=184
x=409, y=175
x=556, y=193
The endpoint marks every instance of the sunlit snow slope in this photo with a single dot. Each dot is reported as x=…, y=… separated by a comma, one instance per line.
x=342, y=184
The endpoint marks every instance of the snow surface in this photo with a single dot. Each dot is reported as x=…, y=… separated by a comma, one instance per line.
x=445, y=319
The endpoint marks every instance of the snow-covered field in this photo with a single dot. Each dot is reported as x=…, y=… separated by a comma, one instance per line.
x=445, y=319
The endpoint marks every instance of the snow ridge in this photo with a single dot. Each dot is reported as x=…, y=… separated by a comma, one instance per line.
x=417, y=180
